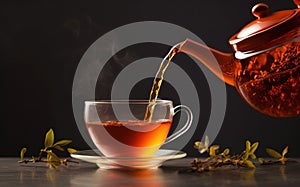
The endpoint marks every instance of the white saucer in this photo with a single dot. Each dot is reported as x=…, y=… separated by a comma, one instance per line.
x=152, y=162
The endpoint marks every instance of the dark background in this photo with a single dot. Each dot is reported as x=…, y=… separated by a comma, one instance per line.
x=42, y=42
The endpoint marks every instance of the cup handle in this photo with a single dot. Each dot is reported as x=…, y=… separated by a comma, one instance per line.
x=186, y=126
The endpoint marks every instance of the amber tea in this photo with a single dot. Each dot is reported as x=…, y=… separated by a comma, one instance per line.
x=131, y=134
x=117, y=128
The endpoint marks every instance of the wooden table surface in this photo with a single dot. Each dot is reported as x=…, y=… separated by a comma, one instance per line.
x=172, y=173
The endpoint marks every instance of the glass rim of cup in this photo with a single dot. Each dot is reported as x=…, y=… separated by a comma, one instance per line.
x=129, y=101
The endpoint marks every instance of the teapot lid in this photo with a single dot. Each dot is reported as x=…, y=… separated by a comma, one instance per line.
x=267, y=31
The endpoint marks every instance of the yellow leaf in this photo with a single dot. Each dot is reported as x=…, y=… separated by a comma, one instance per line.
x=206, y=143
x=249, y=163
x=248, y=145
x=246, y=155
x=226, y=151
x=253, y=156
x=261, y=160
x=197, y=145
x=71, y=150
x=254, y=147
x=283, y=160
x=284, y=152
x=23, y=151
x=49, y=138
x=62, y=142
x=273, y=153
x=203, y=150
x=58, y=147
x=52, y=156
x=212, y=150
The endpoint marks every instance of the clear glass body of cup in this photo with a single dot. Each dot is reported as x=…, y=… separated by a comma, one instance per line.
x=118, y=128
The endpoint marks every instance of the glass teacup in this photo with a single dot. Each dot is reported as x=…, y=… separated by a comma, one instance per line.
x=119, y=128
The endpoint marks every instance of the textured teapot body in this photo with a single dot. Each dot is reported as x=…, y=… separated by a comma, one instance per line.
x=270, y=81
x=265, y=65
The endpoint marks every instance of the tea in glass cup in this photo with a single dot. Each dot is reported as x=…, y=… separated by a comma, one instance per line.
x=118, y=128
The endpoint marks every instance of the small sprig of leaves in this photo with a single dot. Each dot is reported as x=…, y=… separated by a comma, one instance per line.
x=279, y=158
x=218, y=159
x=51, y=159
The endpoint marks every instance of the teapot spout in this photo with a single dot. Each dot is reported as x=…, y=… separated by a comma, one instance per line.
x=220, y=63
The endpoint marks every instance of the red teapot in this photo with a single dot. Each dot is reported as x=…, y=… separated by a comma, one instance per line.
x=265, y=64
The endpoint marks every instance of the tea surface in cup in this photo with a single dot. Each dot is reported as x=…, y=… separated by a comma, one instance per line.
x=133, y=138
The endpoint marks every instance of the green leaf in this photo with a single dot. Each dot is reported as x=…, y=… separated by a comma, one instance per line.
x=284, y=152
x=71, y=150
x=254, y=147
x=58, y=147
x=248, y=146
x=23, y=151
x=249, y=163
x=273, y=153
x=49, y=138
x=62, y=142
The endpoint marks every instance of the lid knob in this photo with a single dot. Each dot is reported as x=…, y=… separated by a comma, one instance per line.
x=261, y=10
x=297, y=2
